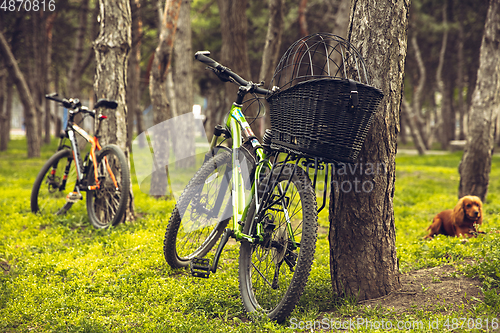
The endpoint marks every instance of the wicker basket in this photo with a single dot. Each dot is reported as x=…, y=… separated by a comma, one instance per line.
x=325, y=105
x=318, y=118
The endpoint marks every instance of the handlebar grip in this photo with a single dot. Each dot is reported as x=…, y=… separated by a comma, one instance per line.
x=109, y=104
x=225, y=73
x=63, y=101
x=203, y=57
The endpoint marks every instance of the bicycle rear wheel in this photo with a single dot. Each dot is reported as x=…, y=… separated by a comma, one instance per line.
x=54, y=182
x=201, y=213
x=273, y=273
x=106, y=205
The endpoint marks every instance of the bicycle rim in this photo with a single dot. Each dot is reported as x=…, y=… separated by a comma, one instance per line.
x=106, y=205
x=274, y=272
x=201, y=213
x=56, y=180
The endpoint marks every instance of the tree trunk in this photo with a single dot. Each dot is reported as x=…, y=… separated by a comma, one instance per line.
x=36, y=79
x=412, y=123
x=7, y=116
x=3, y=114
x=342, y=18
x=476, y=161
x=111, y=51
x=134, y=72
x=460, y=82
x=271, y=53
x=184, y=148
x=158, y=93
x=362, y=236
x=444, y=112
x=48, y=76
x=304, y=31
x=30, y=120
x=75, y=71
x=234, y=51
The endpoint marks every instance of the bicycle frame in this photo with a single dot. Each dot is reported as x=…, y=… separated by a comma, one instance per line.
x=94, y=141
x=239, y=128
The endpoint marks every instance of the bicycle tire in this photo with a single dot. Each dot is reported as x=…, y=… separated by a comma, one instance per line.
x=258, y=262
x=52, y=198
x=106, y=206
x=201, y=213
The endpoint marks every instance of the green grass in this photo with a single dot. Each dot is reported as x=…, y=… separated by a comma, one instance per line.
x=61, y=275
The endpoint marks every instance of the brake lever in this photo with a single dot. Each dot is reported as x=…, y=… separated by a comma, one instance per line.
x=221, y=74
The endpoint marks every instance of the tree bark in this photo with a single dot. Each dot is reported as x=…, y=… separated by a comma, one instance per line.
x=476, y=161
x=134, y=72
x=460, y=81
x=303, y=29
x=342, y=18
x=111, y=51
x=48, y=77
x=362, y=236
x=412, y=123
x=7, y=116
x=184, y=148
x=3, y=114
x=271, y=52
x=75, y=71
x=25, y=97
x=234, y=51
x=158, y=89
x=444, y=112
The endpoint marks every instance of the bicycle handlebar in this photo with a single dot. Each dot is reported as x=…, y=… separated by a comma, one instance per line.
x=74, y=103
x=224, y=73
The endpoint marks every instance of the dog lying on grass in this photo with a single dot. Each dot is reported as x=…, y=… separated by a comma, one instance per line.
x=459, y=221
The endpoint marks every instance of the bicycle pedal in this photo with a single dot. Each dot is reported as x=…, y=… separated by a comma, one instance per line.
x=200, y=267
x=73, y=197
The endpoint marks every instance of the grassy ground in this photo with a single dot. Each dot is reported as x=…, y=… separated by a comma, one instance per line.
x=61, y=275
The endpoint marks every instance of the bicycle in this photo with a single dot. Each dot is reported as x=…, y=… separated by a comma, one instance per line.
x=276, y=224
x=321, y=107
x=103, y=173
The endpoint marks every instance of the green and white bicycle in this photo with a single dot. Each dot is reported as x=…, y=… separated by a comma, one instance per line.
x=276, y=224
x=261, y=194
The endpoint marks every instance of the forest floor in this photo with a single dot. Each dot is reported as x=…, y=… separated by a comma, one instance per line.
x=437, y=289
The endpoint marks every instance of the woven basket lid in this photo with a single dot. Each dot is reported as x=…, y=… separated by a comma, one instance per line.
x=317, y=56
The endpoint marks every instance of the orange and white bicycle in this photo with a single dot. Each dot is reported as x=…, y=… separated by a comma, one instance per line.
x=103, y=173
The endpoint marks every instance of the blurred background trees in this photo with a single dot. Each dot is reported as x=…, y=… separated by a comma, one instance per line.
x=54, y=52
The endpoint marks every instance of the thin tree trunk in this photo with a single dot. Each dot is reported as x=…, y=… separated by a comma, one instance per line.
x=444, y=110
x=412, y=123
x=234, y=50
x=416, y=105
x=460, y=82
x=111, y=51
x=157, y=91
x=342, y=18
x=3, y=114
x=214, y=104
x=304, y=30
x=73, y=85
x=476, y=161
x=48, y=74
x=271, y=52
x=362, y=236
x=25, y=97
x=134, y=71
x=184, y=148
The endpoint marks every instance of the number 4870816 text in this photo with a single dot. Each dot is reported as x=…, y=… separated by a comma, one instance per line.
x=28, y=5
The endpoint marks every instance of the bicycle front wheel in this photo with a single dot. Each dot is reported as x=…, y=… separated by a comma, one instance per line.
x=107, y=204
x=54, y=182
x=201, y=213
x=273, y=272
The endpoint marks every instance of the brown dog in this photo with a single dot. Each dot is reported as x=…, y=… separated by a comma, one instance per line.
x=462, y=220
